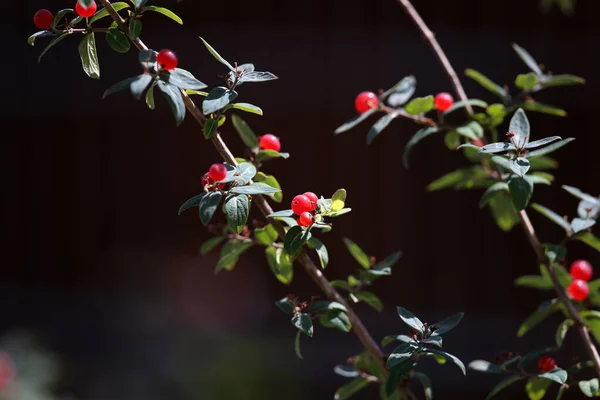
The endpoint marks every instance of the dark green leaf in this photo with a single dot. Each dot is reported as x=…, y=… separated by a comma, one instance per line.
x=552, y=216
x=210, y=127
x=60, y=16
x=167, y=13
x=216, y=55
x=400, y=354
x=549, y=149
x=150, y=98
x=103, y=13
x=527, y=59
x=247, y=107
x=359, y=255
x=135, y=28
x=543, y=108
x=486, y=83
x=271, y=181
x=230, y=253
x=184, y=79
x=409, y=319
x=246, y=134
x=355, y=121
x=52, y=43
x=448, y=357
x=401, y=92
x=89, y=56
x=463, y=103
x=534, y=282
x=557, y=375
x=336, y=319
x=484, y=366
x=526, y=81
x=241, y=174
x=350, y=389
x=193, y=202
x=503, y=385
x=389, y=261
x=173, y=97
x=237, y=209
x=426, y=383
x=519, y=125
x=589, y=239
x=295, y=238
x=371, y=299
x=139, y=85
x=321, y=250
x=499, y=147
x=401, y=338
x=218, y=98
x=31, y=39
x=591, y=319
x=420, y=135
x=266, y=235
x=266, y=155
x=562, y=330
x=124, y=84
x=379, y=126
x=536, y=388
x=543, y=311
x=542, y=142
x=286, y=305
x=519, y=165
x=257, y=76
x=491, y=192
x=117, y=41
x=280, y=214
x=589, y=388
x=397, y=374
x=521, y=191
x=208, y=205
x=562, y=80
x=303, y=323
x=434, y=340
x=504, y=212
x=281, y=264
x=419, y=105
x=210, y=244
x=471, y=130
x=447, y=324
x=297, y=345
x=254, y=188
x=147, y=58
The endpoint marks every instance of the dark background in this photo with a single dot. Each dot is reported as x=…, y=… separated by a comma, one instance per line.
x=99, y=268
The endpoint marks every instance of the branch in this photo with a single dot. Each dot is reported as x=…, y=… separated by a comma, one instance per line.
x=309, y=266
x=525, y=222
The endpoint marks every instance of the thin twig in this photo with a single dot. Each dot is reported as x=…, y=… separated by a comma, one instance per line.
x=525, y=222
x=309, y=266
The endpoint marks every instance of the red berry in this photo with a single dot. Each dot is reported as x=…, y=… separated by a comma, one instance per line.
x=43, y=19
x=578, y=289
x=443, y=101
x=546, y=364
x=206, y=180
x=581, y=269
x=313, y=199
x=269, y=142
x=478, y=142
x=301, y=204
x=86, y=12
x=365, y=101
x=167, y=59
x=305, y=219
x=217, y=172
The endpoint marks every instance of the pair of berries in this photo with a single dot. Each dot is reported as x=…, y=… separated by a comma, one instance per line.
x=303, y=205
x=269, y=142
x=546, y=364
x=43, y=18
x=581, y=271
x=216, y=173
x=368, y=100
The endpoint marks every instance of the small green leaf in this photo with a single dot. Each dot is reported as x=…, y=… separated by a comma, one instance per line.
x=183, y=79
x=297, y=345
x=173, y=97
x=549, y=149
x=589, y=388
x=371, y=299
x=247, y=107
x=242, y=174
x=89, y=56
x=401, y=92
x=557, y=375
x=499, y=147
x=286, y=305
x=542, y=142
x=208, y=205
x=562, y=80
x=401, y=338
x=409, y=319
x=257, y=76
x=280, y=264
x=266, y=155
x=486, y=83
x=434, y=340
x=271, y=181
x=210, y=127
x=237, y=209
x=389, y=261
x=400, y=354
x=543, y=311
x=118, y=41
x=519, y=166
x=448, y=357
x=534, y=282
x=526, y=81
x=210, y=244
x=519, y=125
x=135, y=28
x=303, y=323
x=359, y=255
x=230, y=253
x=463, y=103
x=350, y=388
x=447, y=324
x=338, y=200
x=485, y=366
x=103, y=13
x=420, y=135
x=166, y=12
x=521, y=191
x=527, y=59
x=193, y=202
x=254, y=188
x=552, y=216
x=266, y=235
x=397, y=374
x=504, y=212
x=471, y=130
x=419, y=105
x=217, y=99
x=52, y=43
x=536, y=388
x=379, y=126
x=295, y=238
x=321, y=250
x=31, y=39
x=216, y=55
x=562, y=330
x=150, y=98
x=543, y=108
x=491, y=192
x=355, y=121
x=503, y=385
x=589, y=239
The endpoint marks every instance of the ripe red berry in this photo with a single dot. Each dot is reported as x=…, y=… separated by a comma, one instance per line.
x=301, y=204
x=43, y=19
x=206, y=180
x=217, y=172
x=305, y=219
x=478, y=142
x=167, y=59
x=86, y=12
x=443, y=101
x=365, y=101
x=546, y=364
x=581, y=269
x=578, y=289
x=269, y=142
x=313, y=199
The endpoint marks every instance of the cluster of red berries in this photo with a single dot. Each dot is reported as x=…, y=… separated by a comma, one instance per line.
x=43, y=18
x=216, y=173
x=546, y=364
x=368, y=100
x=269, y=142
x=303, y=205
x=581, y=272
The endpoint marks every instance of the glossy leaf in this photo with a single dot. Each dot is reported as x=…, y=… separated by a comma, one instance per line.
x=396, y=376
x=216, y=55
x=549, y=149
x=580, y=224
x=295, y=238
x=581, y=195
x=420, y=135
x=303, y=323
x=246, y=107
x=118, y=41
x=543, y=311
x=173, y=97
x=371, y=299
x=254, y=188
x=193, y=202
x=89, y=56
x=237, y=209
x=379, y=126
x=280, y=264
x=434, y=340
x=589, y=388
x=208, y=205
x=210, y=127
x=297, y=345
x=31, y=39
x=401, y=92
x=400, y=354
x=359, y=255
x=448, y=357
x=321, y=250
x=139, y=85
x=552, y=216
x=519, y=165
x=557, y=375
x=521, y=191
x=166, y=12
x=184, y=80
x=124, y=84
x=355, y=121
x=486, y=82
x=499, y=147
x=135, y=28
x=542, y=142
x=400, y=338
x=257, y=76
x=519, y=125
x=286, y=305
x=271, y=181
x=409, y=319
x=419, y=105
x=217, y=99
x=150, y=98
x=527, y=59
x=447, y=324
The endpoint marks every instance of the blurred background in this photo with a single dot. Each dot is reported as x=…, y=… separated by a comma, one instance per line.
x=103, y=286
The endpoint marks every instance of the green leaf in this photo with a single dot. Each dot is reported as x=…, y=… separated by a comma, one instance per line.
x=173, y=97
x=183, y=79
x=379, y=126
x=280, y=264
x=338, y=200
x=303, y=323
x=542, y=142
x=89, y=56
x=103, y=13
x=266, y=155
x=166, y=12
x=254, y=188
x=589, y=239
x=359, y=255
x=543, y=108
x=371, y=299
x=208, y=205
x=271, y=181
x=210, y=244
x=581, y=195
x=552, y=216
x=397, y=374
x=400, y=354
x=389, y=261
x=526, y=81
x=426, y=383
x=434, y=340
x=135, y=28
x=519, y=125
x=193, y=202
x=580, y=224
x=543, y=311
x=31, y=39
x=217, y=99
x=210, y=127
x=536, y=388
x=521, y=191
x=351, y=388
x=281, y=214
x=419, y=105
x=471, y=130
x=355, y=121
x=401, y=92
x=503, y=385
x=562, y=330
x=589, y=388
x=452, y=140
x=257, y=76
x=538, y=179
x=150, y=98
x=401, y=338
x=420, y=135
x=485, y=366
x=336, y=319
x=321, y=250
x=124, y=84
x=139, y=85
x=591, y=319
x=447, y=324
x=534, y=282
x=549, y=149
x=519, y=165
x=486, y=83
x=409, y=319
x=463, y=103
x=118, y=41
x=557, y=375
x=297, y=345
x=247, y=107
x=52, y=43
x=562, y=80
x=60, y=16
x=527, y=59
x=448, y=357
x=504, y=212
x=491, y=192
x=266, y=235
x=295, y=238
x=241, y=174
x=216, y=55
x=499, y=147
x=463, y=177
x=230, y=254
x=237, y=209
x=286, y=305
